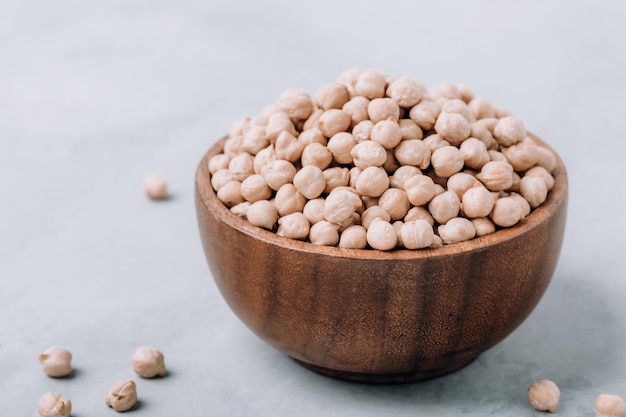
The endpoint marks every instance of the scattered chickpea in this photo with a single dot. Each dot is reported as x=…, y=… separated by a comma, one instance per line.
x=155, y=187
x=122, y=396
x=148, y=362
x=54, y=405
x=56, y=362
x=544, y=395
x=609, y=405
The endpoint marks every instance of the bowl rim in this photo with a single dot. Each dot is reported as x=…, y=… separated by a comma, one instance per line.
x=207, y=196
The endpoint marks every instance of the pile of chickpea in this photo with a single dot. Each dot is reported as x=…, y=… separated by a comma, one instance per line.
x=380, y=162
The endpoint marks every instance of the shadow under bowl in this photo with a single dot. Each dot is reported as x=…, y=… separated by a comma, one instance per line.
x=376, y=316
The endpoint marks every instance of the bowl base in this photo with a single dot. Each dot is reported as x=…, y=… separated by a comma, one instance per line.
x=390, y=378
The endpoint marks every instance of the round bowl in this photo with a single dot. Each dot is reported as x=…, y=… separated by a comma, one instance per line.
x=375, y=316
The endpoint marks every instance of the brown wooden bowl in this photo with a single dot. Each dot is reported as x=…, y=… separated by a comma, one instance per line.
x=374, y=316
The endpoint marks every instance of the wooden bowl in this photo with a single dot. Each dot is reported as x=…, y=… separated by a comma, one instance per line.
x=374, y=316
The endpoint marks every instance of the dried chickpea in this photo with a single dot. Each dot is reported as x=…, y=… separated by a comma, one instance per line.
x=452, y=127
x=278, y=173
x=241, y=209
x=357, y=109
x=496, y=175
x=220, y=178
x=237, y=127
x=288, y=200
x=534, y=190
x=336, y=177
x=506, y=212
x=457, y=229
x=523, y=203
x=333, y=121
x=437, y=242
x=435, y=142
x=241, y=166
x=288, y=147
x=122, y=396
x=447, y=161
x=309, y=136
x=609, y=405
x=230, y=193
x=310, y=181
x=391, y=164
x=264, y=157
x=368, y=154
x=522, y=156
x=444, y=206
x=382, y=235
x=277, y=123
x=155, y=187
x=460, y=183
x=316, y=154
x=483, y=226
x=324, y=233
x=477, y=201
x=417, y=234
x=294, y=226
x=362, y=131
x=254, y=188
x=413, y=152
x=456, y=105
x=354, y=237
x=148, y=362
x=395, y=202
x=262, y=214
x=314, y=210
x=509, y=130
x=425, y=114
x=497, y=156
x=370, y=84
x=340, y=145
x=372, y=182
x=54, y=405
x=254, y=140
x=387, y=133
x=354, y=175
x=481, y=108
x=401, y=174
x=405, y=91
x=541, y=172
x=544, y=395
x=479, y=131
x=383, y=109
x=475, y=153
x=331, y=96
x=340, y=204
x=217, y=162
x=233, y=146
x=410, y=130
x=374, y=212
x=445, y=90
x=56, y=362
x=296, y=103
x=420, y=189
x=546, y=159
x=348, y=78
x=419, y=213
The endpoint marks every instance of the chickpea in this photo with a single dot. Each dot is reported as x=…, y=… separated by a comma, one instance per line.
x=220, y=178
x=324, y=233
x=387, y=133
x=316, y=154
x=483, y=226
x=331, y=96
x=340, y=145
x=546, y=159
x=336, y=177
x=425, y=114
x=544, y=395
x=277, y=123
x=348, y=78
x=391, y=163
x=534, y=190
x=374, y=212
x=333, y=121
x=294, y=226
x=522, y=156
x=506, y=212
x=148, y=362
x=447, y=161
x=217, y=162
x=254, y=188
x=417, y=234
x=234, y=146
x=262, y=214
x=372, y=182
x=357, y=109
x=278, y=173
x=122, y=396
x=413, y=152
x=354, y=237
x=54, y=405
x=420, y=189
x=309, y=136
x=609, y=405
x=288, y=200
x=288, y=147
x=296, y=103
x=410, y=130
x=241, y=166
x=241, y=209
x=382, y=235
x=354, y=175
x=523, y=203
x=446, y=90
x=475, y=153
x=254, y=140
x=456, y=105
x=401, y=174
x=383, y=109
x=368, y=154
x=236, y=129
x=370, y=84
x=496, y=175
x=363, y=131
x=541, y=172
x=481, y=108
x=457, y=229
x=405, y=91
x=230, y=193
x=477, y=201
x=419, y=213
x=264, y=157
x=461, y=182
x=479, y=131
x=314, y=210
x=340, y=205
x=395, y=202
x=435, y=142
x=444, y=206
x=452, y=127
x=509, y=130
x=310, y=181
x=56, y=362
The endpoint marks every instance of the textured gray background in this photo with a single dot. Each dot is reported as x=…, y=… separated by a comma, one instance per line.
x=96, y=95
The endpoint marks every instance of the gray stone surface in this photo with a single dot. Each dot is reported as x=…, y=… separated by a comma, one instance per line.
x=96, y=95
